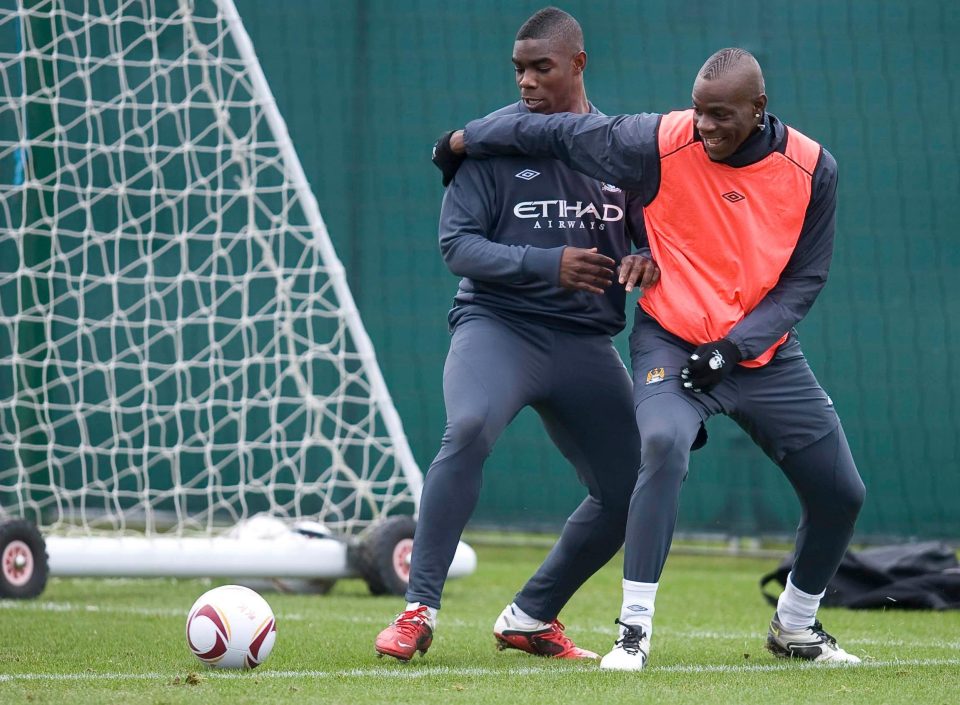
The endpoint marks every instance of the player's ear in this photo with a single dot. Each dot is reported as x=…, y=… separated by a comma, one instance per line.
x=579, y=61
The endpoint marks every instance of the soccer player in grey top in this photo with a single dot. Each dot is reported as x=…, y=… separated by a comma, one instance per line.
x=537, y=245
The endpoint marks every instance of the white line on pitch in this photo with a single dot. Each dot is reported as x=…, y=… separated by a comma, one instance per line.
x=664, y=633
x=407, y=671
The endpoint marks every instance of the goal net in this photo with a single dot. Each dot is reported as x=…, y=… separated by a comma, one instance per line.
x=179, y=349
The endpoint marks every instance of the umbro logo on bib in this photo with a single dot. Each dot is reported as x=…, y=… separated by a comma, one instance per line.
x=733, y=196
x=527, y=174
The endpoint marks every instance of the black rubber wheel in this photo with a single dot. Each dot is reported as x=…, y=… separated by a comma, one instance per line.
x=303, y=586
x=383, y=557
x=23, y=560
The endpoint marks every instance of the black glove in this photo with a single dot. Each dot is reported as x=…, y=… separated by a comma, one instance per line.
x=446, y=160
x=709, y=364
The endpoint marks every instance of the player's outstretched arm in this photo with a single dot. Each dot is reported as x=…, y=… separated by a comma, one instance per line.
x=620, y=150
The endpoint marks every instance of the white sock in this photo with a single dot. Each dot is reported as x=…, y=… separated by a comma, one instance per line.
x=637, y=608
x=524, y=620
x=431, y=612
x=797, y=609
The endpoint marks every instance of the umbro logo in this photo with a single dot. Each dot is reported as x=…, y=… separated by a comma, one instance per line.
x=733, y=196
x=527, y=174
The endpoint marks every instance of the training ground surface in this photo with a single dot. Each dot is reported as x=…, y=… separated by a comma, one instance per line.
x=121, y=641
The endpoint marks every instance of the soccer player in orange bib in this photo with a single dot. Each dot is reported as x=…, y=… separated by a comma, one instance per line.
x=739, y=211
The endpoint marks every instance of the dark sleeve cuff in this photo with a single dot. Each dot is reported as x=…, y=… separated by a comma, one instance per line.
x=740, y=346
x=543, y=263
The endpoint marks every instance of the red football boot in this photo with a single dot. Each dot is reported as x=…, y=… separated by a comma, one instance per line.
x=409, y=633
x=548, y=640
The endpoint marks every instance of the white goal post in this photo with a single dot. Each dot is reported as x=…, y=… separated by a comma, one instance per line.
x=179, y=349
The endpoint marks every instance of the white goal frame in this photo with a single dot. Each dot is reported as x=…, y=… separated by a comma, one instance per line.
x=293, y=554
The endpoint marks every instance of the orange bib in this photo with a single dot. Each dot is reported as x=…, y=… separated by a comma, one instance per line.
x=722, y=235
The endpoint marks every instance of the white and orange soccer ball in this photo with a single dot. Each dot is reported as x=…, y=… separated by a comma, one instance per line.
x=231, y=627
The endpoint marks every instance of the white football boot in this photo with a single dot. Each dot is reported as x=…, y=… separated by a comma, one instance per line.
x=629, y=651
x=810, y=643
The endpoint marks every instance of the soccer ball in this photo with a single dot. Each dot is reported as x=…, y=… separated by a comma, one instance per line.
x=231, y=627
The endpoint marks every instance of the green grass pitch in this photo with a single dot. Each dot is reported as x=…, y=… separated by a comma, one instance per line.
x=121, y=641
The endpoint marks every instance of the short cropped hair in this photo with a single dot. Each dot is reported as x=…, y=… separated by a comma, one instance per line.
x=553, y=24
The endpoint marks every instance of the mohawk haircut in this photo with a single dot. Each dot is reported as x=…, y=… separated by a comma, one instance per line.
x=731, y=59
x=722, y=61
x=555, y=25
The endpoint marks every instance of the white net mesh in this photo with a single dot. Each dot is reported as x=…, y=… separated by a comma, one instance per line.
x=177, y=346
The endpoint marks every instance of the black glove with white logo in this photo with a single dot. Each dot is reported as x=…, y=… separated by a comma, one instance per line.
x=709, y=364
x=445, y=159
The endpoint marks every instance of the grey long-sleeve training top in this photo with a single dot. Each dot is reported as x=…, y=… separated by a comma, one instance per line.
x=504, y=224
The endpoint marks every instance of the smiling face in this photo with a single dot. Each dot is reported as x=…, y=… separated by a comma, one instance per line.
x=549, y=76
x=726, y=108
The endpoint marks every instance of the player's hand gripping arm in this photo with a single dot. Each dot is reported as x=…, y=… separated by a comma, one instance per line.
x=637, y=269
x=446, y=158
x=585, y=270
x=593, y=272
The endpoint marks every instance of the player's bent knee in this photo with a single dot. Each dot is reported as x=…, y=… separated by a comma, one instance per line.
x=838, y=504
x=849, y=490
x=663, y=443
x=615, y=510
x=469, y=430
x=851, y=499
